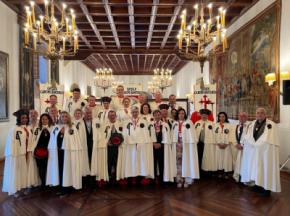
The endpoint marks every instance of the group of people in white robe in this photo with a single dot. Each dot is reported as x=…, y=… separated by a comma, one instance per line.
x=89, y=145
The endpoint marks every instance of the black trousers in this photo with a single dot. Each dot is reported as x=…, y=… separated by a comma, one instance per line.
x=112, y=160
x=159, y=161
x=42, y=167
x=60, y=171
x=90, y=150
x=200, y=149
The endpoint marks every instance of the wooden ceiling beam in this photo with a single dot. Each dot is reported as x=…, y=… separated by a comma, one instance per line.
x=171, y=62
x=123, y=57
x=131, y=22
x=138, y=63
x=152, y=21
x=91, y=21
x=165, y=61
x=152, y=60
x=132, y=64
x=144, y=3
x=172, y=22
x=105, y=64
x=84, y=53
x=117, y=59
x=111, y=21
x=99, y=65
x=144, y=67
x=157, y=65
x=112, y=63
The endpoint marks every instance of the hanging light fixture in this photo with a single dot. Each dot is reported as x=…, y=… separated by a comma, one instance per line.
x=48, y=36
x=194, y=37
x=162, y=78
x=104, y=78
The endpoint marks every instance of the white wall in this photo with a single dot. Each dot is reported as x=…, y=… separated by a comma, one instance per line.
x=185, y=76
x=185, y=79
x=77, y=72
x=9, y=44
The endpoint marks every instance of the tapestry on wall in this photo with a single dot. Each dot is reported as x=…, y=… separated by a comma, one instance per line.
x=240, y=72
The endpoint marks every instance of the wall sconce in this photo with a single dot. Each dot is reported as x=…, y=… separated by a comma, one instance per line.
x=270, y=78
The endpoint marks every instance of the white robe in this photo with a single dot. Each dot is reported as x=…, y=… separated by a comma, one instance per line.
x=103, y=115
x=224, y=157
x=238, y=160
x=209, y=152
x=80, y=125
x=70, y=105
x=99, y=166
x=169, y=156
x=95, y=110
x=72, y=173
x=147, y=117
x=16, y=168
x=189, y=149
x=139, y=148
x=122, y=115
x=260, y=162
x=116, y=103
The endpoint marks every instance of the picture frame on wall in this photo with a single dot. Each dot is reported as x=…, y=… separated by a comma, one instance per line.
x=4, y=62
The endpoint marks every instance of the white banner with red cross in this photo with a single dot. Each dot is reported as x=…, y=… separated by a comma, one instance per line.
x=205, y=98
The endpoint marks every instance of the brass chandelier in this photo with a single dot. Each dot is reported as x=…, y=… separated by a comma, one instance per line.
x=162, y=79
x=104, y=78
x=194, y=37
x=51, y=38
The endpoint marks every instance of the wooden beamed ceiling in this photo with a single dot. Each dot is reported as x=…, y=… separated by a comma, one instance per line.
x=132, y=36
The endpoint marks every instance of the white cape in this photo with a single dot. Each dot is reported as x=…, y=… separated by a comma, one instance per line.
x=80, y=125
x=99, y=166
x=209, y=152
x=72, y=173
x=260, y=162
x=189, y=151
x=16, y=175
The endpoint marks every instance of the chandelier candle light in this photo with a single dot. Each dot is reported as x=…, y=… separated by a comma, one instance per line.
x=200, y=32
x=59, y=38
x=104, y=78
x=152, y=87
x=162, y=78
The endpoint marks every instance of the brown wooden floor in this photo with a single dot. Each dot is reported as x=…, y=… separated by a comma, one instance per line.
x=206, y=197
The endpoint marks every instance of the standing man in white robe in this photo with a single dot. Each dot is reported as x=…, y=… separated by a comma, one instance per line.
x=104, y=111
x=164, y=114
x=157, y=101
x=260, y=162
x=74, y=102
x=93, y=106
x=108, y=151
x=139, y=136
x=164, y=160
x=206, y=144
x=142, y=99
x=124, y=113
x=117, y=101
x=84, y=127
x=240, y=132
